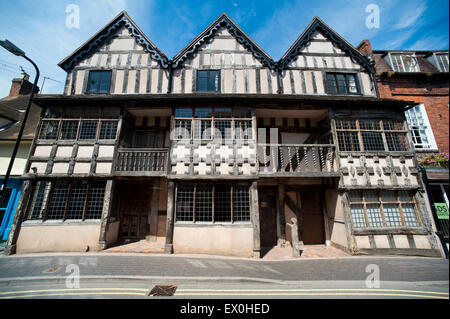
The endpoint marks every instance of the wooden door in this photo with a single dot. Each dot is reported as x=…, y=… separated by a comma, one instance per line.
x=135, y=210
x=313, y=230
x=268, y=220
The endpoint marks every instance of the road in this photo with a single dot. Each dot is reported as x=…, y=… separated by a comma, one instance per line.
x=99, y=275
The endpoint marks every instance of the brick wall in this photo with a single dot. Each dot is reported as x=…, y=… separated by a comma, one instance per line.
x=432, y=91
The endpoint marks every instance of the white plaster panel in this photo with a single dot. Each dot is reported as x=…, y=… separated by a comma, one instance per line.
x=122, y=44
x=131, y=81
x=362, y=242
x=42, y=151
x=106, y=151
x=60, y=168
x=381, y=241
x=64, y=151
x=81, y=168
x=40, y=167
x=401, y=241
x=79, y=82
x=85, y=151
x=119, y=81
x=422, y=242
x=103, y=168
x=202, y=169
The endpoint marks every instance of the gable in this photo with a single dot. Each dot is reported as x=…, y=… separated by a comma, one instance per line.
x=122, y=25
x=223, y=35
x=320, y=39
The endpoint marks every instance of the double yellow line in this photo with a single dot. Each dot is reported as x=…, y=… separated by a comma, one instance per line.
x=141, y=292
x=313, y=292
x=73, y=292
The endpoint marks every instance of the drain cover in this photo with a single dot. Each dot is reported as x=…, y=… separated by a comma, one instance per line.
x=50, y=270
x=163, y=290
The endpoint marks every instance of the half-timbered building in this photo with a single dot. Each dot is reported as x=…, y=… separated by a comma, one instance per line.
x=222, y=150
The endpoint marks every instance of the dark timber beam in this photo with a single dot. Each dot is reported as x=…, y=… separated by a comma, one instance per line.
x=168, y=249
x=254, y=212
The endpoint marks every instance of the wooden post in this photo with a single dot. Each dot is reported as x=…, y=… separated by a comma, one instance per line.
x=281, y=217
x=168, y=248
x=254, y=212
x=153, y=214
x=106, y=212
x=325, y=217
x=299, y=220
x=18, y=218
x=295, y=242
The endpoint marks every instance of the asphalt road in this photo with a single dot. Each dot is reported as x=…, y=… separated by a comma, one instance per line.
x=96, y=275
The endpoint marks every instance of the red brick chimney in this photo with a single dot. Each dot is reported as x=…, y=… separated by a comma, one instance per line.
x=365, y=48
x=21, y=86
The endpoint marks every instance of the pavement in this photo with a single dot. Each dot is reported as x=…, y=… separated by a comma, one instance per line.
x=275, y=253
x=133, y=275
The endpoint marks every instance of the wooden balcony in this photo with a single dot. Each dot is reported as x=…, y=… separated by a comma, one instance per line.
x=142, y=162
x=302, y=160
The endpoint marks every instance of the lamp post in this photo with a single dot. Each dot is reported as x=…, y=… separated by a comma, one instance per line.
x=15, y=50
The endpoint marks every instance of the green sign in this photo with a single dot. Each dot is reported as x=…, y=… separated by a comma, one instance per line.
x=441, y=210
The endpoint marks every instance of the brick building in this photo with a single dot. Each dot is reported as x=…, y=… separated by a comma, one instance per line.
x=421, y=77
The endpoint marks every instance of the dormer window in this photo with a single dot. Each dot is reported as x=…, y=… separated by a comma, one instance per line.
x=98, y=82
x=208, y=81
x=404, y=63
x=442, y=62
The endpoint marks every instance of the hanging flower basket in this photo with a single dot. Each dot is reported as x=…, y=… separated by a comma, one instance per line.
x=435, y=160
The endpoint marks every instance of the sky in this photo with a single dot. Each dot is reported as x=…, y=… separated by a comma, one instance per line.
x=40, y=27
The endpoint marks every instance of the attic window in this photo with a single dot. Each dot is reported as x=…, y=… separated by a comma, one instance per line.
x=208, y=81
x=442, y=62
x=404, y=63
x=99, y=82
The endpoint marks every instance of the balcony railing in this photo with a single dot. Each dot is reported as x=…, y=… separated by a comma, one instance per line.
x=142, y=160
x=296, y=158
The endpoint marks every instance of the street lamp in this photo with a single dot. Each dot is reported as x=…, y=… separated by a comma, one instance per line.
x=16, y=51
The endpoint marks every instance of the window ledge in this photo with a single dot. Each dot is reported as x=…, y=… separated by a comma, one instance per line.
x=59, y=222
x=390, y=231
x=209, y=224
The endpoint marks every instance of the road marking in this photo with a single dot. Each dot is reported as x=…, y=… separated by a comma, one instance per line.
x=310, y=294
x=75, y=289
x=311, y=290
x=272, y=270
x=219, y=264
x=76, y=294
x=196, y=263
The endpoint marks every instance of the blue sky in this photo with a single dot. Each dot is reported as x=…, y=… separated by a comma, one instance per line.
x=39, y=27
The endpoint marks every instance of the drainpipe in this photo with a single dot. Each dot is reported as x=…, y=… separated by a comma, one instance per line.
x=374, y=77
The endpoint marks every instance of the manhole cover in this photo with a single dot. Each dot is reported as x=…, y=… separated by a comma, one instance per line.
x=163, y=290
x=50, y=270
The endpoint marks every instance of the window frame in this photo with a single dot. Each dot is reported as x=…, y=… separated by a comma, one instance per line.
x=212, y=120
x=432, y=145
x=392, y=56
x=383, y=130
x=47, y=197
x=381, y=203
x=244, y=218
x=346, y=75
x=438, y=60
x=208, y=71
x=60, y=122
x=89, y=90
